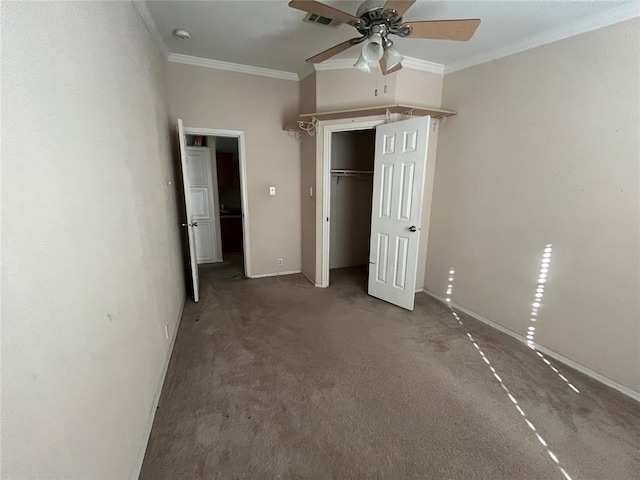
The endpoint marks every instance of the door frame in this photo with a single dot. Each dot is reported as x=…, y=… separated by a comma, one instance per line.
x=326, y=186
x=244, y=196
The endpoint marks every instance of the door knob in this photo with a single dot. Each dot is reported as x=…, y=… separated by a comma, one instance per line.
x=412, y=228
x=194, y=224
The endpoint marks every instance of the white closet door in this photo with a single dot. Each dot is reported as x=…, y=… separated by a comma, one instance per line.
x=202, y=202
x=189, y=222
x=398, y=188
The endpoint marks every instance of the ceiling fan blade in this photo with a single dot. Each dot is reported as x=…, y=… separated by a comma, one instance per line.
x=311, y=6
x=461, y=30
x=330, y=52
x=399, y=6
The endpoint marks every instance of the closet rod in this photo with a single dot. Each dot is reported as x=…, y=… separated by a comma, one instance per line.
x=350, y=173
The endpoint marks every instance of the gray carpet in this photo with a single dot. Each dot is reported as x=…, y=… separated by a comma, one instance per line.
x=232, y=267
x=273, y=378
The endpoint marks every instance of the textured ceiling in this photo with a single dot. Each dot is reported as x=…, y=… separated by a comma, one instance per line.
x=269, y=34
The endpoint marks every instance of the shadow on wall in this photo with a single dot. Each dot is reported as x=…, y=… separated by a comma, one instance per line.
x=181, y=208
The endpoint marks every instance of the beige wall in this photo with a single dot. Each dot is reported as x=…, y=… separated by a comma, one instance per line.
x=351, y=88
x=420, y=89
x=545, y=149
x=308, y=94
x=91, y=269
x=308, y=181
x=259, y=106
x=427, y=203
x=308, y=204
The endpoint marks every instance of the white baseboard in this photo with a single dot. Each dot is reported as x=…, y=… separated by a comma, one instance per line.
x=275, y=274
x=311, y=281
x=156, y=399
x=561, y=358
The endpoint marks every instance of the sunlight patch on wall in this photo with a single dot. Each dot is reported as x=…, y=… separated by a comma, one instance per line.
x=535, y=307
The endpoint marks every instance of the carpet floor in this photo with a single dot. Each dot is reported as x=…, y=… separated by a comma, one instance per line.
x=232, y=267
x=273, y=378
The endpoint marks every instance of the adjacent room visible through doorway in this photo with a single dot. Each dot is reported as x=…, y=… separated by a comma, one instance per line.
x=216, y=197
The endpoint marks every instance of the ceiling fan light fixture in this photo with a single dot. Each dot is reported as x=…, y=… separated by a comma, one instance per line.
x=376, y=38
x=373, y=50
x=392, y=57
x=362, y=65
x=375, y=21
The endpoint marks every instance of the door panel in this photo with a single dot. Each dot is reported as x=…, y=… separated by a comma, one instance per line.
x=382, y=249
x=385, y=191
x=406, y=191
x=398, y=187
x=200, y=203
x=402, y=247
x=198, y=168
x=205, y=241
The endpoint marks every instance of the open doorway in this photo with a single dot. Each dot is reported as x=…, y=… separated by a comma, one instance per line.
x=350, y=196
x=216, y=183
x=348, y=173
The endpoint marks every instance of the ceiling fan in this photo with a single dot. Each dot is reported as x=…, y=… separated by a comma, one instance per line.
x=375, y=20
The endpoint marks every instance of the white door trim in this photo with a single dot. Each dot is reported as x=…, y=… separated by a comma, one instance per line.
x=326, y=185
x=244, y=196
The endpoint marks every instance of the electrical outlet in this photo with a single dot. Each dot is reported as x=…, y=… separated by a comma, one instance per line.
x=166, y=331
x=280, y=262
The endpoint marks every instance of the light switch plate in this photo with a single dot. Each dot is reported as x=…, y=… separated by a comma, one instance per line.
x=272, y=191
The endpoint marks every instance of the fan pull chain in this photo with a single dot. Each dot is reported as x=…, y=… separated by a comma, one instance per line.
x=375, y=93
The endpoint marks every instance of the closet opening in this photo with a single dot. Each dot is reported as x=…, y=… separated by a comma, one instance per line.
x=350, y=195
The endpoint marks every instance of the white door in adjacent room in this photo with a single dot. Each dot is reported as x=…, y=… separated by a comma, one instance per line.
x=189, y=223
x=398, y=188
x=203, y=203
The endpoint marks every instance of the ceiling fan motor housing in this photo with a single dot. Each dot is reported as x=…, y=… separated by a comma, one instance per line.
x=373, y=19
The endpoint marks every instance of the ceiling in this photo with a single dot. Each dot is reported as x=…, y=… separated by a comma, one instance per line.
x=269, y=34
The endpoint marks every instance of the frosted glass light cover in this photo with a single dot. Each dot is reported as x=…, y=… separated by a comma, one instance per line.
x=372, y=52
x=392, y=57
x=362, y=64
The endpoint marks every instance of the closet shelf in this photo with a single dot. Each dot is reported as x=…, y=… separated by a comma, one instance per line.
x=307, y=118
x=350, y=173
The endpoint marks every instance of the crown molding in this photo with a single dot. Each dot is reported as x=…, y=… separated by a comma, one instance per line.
x=145, y=14
x=336, y=64
x=588, y=24
x=423, y=65
x=309, y=68
x=408, y=62
x=232, y=67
